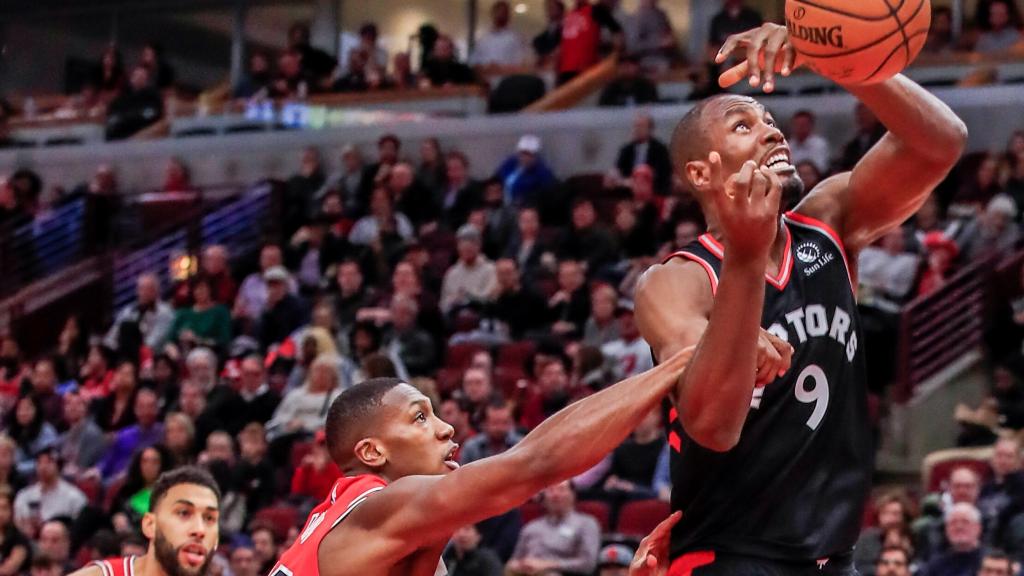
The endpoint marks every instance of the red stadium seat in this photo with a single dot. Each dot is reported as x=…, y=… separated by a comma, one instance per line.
x=93, y=490
x=531, y=511
x=299, y=451
x=599, y=510
x=514, y=354
x=460, y=355
x=640, y=517
x=111, y=492
x=448, y=379
x=938, y=466
x=507, y=379
x=280, y=519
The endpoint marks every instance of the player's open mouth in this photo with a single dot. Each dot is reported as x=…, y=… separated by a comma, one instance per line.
x=778, y=161
x=449, y=459
x=194, y=555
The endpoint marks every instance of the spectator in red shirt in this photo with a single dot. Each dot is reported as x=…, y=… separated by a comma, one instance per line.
x=550, y=395
x=941, y=253
x=581, y=38
x=314, y=478
x=96, y=375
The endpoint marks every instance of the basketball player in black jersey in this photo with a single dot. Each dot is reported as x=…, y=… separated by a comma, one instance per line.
x=771, y=459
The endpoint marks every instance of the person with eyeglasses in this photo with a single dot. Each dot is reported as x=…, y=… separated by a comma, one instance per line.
x=893, y=561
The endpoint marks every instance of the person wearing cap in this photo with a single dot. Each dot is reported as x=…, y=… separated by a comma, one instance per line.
x=525, y=173
x=252, y=294
x=472, y=278
x=941, y=253
x=628, y=354
x=48, y=497
x=284, y=312
x=614, y=560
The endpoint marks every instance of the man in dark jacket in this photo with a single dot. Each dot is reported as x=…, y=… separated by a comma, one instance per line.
x=644, y=148
x=284, y=312
x=136, y=108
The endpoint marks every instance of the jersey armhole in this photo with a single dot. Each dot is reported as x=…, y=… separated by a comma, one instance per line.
x=822, y=228
x=712, y=276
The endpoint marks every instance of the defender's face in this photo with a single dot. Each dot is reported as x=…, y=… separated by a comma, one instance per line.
x=184, y=529
x=414, y=439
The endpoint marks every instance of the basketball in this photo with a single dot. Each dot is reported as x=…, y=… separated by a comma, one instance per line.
x=858, y=41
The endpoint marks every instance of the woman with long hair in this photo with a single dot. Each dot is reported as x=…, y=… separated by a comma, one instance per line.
x=15, y=548
x=132, y=500
x=115, y=411
x=30, y=432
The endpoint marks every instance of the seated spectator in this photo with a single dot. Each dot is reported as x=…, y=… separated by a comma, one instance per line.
x=525, y=173
x=214, y=265
x=497, y=434
x=892, y=512
x=383, y=224
x=550, y=394
x=300, y=197
x=256, y=83
x=313, y=479
x=806, y=144
x=136, y=108
x=497, y=218
x=1001, y=34
x=940, y=33
x=569, y=307
x=402, y=76
x=601, y=326
x=650, y=39
x=266, y=546
x=893, y=561
x=734, y=18
x=887, y=272
x=869, y=131
x=629, y=354
x=290, y=81
x=221, y=399
x=15, y=547
x=633, y=463
x=376, y=55
x=206, y=322
x=519, y=307
x=254, y=474
x=978, y=189
x=630, y=87
x=284, y=311
x=115, y=411
x=356, y=77
x=43, y=384
x=579, y=48
x=304, y=410
x=459, y=193
x=388, y=147
x=110, y=76
x=83, y=443
x=431, y=170
x=31, y=433
x=192, y=403
x=636, y=224
x=96, y=374
x=316, y=63
x=562, y=541
x=179, y=439
x=645, y=149
x=477, y=390
x=997, y=563
x=243, y=561
x=257, y=401
x=442, y=68
x=161, y=72
x=131, y=502
x=147, y=431
x=963, y=532
x=546, y=43
x=465, y=556
x=411, y=197
x=1002, y=495
x=472, y=279
x=86, y=103
x=409, y=342
x=525, y=247
x=587, y=240
x=55, y=545
x=347, y=181
x=252, y=294
x=150, y=315
x=499, y=46
x=994, y=231
x=455, y=411
x=49, y=497
x=350, y=293
x=941, y=253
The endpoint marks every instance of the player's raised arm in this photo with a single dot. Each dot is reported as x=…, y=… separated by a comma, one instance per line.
x=568, y=443
x=733, y=353
x=894, y=178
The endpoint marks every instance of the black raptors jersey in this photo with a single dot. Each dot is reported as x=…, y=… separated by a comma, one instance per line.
x=795, y=485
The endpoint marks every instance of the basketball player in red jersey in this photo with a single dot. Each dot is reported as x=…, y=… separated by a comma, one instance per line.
x=403, y=495
x=181, y=526
x=772, y=457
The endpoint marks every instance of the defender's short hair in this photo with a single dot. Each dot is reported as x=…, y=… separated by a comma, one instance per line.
x=350, y=413
x=183, y=475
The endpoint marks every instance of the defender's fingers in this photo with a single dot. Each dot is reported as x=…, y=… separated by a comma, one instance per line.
x=771, y=54
x=733, y=75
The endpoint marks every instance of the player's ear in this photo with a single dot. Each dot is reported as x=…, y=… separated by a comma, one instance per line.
x=697, y=173
x=370, y=452
x=149, y=525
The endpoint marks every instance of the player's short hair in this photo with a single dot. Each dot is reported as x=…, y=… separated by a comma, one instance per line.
x=183, y=475
x=351, y=412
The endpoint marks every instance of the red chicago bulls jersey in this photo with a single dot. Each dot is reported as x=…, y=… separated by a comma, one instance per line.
x=346, y=494
x=124, y=566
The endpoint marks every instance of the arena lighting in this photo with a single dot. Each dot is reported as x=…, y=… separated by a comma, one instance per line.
x=183, y=266
x=522, y=8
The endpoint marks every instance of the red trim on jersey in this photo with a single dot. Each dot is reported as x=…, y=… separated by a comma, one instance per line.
x=781, y=279
x=707, y=267
x=673, y=414
x=685, y=564
x=123, y=566
x=826, y=230
x=675, y=442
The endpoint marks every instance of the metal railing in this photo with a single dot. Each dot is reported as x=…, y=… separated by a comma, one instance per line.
x=938, y=328
x=38, y=248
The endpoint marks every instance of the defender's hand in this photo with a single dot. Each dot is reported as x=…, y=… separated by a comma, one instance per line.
x=651, y=558
x=747, y=204
x=768, y=51
x=774, y=356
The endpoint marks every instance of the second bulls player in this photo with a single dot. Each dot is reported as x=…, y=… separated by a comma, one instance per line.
x=181, y=525
x=403, y=495
x=772, y=459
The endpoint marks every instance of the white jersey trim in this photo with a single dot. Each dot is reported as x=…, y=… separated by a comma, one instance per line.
x=359, y=500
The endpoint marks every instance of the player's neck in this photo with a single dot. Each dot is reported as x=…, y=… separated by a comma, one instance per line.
x=147, y=565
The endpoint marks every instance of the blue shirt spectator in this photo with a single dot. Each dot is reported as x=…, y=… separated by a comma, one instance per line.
x=525, y=173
